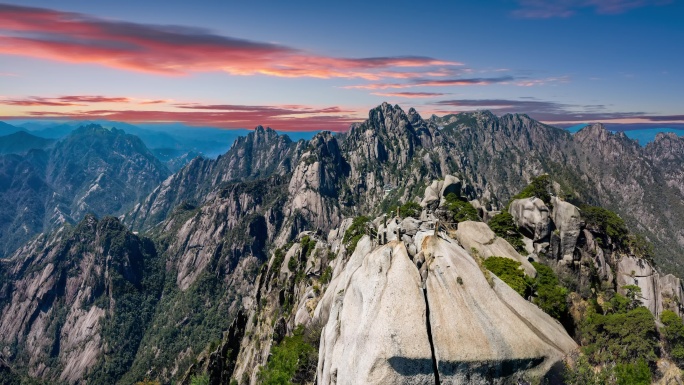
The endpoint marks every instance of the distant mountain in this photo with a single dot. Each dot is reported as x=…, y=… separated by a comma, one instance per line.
x=6, y=129
x=643, y=135
x=21, y=141
x=93, y=170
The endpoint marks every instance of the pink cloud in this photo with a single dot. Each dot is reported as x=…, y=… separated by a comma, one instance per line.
x=173, y=50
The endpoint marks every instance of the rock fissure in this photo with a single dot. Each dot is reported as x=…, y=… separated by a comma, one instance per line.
x=429, y=334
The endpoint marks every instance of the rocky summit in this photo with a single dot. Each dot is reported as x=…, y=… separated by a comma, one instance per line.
x=465, y=249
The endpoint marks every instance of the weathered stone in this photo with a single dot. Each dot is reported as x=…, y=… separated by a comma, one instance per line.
x=531, y=215
x=478, y=236
x=478, y=329
x=371, y=339
x=566, y=218
x=451, y=185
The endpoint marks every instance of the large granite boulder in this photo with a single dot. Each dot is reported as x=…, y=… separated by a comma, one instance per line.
x=532, y=217
x=396, y=321
x=376, y=330
x=566, y=218
x=658, y=292
x=478, y=236
x=486, y=333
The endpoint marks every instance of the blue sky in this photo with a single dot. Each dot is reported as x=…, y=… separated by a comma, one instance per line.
x=307, y=65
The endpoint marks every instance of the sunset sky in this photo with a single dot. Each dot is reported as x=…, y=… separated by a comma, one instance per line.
x=312, y=65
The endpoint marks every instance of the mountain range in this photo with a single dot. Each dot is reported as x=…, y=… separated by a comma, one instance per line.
x=469, y=248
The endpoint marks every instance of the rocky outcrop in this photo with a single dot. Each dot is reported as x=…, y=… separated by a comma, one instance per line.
x=568, y=223
x=315, y=183
x=658, y=292
x=532, y=217
x=452, y=325
x=479, y=237
x=260, y=154
x=486, y=334
x=368, y=338
x=436, y=192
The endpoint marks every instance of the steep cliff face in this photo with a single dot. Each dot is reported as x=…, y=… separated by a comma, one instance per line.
x=258, y=155
x=68, y=301
x=213, y=254
x=93, y=170
x=645, y=191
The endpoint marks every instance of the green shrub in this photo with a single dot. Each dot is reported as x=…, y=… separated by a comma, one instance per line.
x=292, y=361
x=502, y=225
x=200, y=380
x=408, y=209
x=550, y=295
x=673, y=333
x=621, y=336
x=509, y=271
x=607, y=222
x=633, y=373
x=293, y=263
x=460, y=210
x=641, y=247
x=327, y=275
x=355, y=232
x=583, y=373
x=540, y=187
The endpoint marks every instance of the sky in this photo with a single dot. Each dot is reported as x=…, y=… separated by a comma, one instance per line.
x=319, y=65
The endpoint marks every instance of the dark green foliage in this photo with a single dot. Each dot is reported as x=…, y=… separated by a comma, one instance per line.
x=293, y=361
x=502, y=225
x=327, y=275
x=293, y=263
x=308, y=245
x=460, y=210
x=607, y=222
x=540, y=187
x=550, y=295
x=641, y=247
x=509, y=271
x=583, y=373
x=633, y=373
x=620, y=336
x=136, y=276
x=673, y=333
x=200, y=380
x=355, y=232
x=408, y=209
x=278, y=258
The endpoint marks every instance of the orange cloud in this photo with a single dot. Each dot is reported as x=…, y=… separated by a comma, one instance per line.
x=173, y=50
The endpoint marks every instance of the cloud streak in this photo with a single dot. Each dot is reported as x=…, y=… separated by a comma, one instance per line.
x=457, y=82
x=410, y=95
x=173, y=50
x=546, y=9
x=63, y=101
x=286, y=118
x=553, y=112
